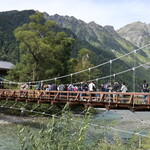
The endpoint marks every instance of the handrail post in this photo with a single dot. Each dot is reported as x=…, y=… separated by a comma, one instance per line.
x=117, y=96
x=67, y=95
x=90, y=96
x=40, y=95
x=33, y=94
x=102, y=97
x=149, y=99
x=131, y=99
x=49, y=95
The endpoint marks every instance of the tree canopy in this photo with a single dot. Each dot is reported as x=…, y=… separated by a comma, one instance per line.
x=44, y=52
x=83, y=63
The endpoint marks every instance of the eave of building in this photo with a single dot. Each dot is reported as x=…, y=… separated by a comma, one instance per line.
x=4, y=65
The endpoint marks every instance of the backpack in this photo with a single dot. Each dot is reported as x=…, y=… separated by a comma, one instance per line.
x=106, y=88
x=145, y=88
x=61, y=87
x=94, y=88
x=70, y=87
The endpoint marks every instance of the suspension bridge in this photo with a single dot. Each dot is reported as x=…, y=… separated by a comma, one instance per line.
x=136, y=65
x=108, y=100
x=115, y=101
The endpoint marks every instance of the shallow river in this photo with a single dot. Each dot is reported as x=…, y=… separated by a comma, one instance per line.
x=126, y=124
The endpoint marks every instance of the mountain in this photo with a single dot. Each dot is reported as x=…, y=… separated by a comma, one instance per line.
x=105, y=43
x=137, y=33
x=9, y=21
x=90, y=32
x=105, y=39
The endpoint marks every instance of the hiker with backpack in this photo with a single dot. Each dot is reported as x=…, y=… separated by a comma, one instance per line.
x=145, y=90
x=123, y=90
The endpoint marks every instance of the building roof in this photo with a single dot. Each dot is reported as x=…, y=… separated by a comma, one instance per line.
x=6, y=65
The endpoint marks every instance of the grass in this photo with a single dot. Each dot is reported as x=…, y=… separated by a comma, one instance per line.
x=67, y=132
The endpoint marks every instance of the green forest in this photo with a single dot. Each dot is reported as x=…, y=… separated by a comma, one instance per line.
x=41, y=49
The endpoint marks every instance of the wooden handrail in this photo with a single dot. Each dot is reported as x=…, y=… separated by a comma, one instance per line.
x=97, y=99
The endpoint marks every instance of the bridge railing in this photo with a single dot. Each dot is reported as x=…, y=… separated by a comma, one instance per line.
x=78, y=96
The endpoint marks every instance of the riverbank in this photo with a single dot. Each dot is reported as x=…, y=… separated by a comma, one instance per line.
x=9, y=119
x=126, y=124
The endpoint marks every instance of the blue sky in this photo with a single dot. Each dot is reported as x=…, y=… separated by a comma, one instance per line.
x=117, y=13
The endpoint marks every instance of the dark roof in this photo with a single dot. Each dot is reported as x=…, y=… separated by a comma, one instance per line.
x=6, y=65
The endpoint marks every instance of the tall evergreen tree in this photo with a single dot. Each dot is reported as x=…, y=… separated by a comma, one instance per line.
x=44, y=52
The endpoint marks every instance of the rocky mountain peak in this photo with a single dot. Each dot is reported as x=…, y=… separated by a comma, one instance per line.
x=110, y=29
x=94, y=25
x=137, y=33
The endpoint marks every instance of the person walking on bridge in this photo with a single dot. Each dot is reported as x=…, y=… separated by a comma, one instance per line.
x=145, y=90
x=124, y=90
x=92, y=88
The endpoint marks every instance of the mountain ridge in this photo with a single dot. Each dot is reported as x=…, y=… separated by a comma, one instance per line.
x=105, y=42
x=101, y=37
x=105, y=38
x=137, y=32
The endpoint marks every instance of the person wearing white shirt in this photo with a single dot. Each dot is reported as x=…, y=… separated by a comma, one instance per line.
x=91, y=86
x=123, y=90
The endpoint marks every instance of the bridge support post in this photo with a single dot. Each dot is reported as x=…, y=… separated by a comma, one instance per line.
x=108, y=107
x=133, y=109
x=131, y=99
x=148, y=99
x=39, y=101
x=69, y=104
x=87, y=105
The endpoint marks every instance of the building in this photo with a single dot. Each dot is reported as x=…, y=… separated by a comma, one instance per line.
x=4, y=67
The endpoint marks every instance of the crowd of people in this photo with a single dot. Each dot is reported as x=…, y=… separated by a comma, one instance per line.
x=92, y=87
x=84, y=86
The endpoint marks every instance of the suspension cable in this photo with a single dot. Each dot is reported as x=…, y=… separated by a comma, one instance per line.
x=131, y=69
x=134, y=64
x=108, y=127
x=136, y=50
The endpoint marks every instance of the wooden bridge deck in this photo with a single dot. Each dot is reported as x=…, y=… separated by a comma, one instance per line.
x=108, y=100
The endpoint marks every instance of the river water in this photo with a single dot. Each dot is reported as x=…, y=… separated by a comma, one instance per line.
x=125, y=122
